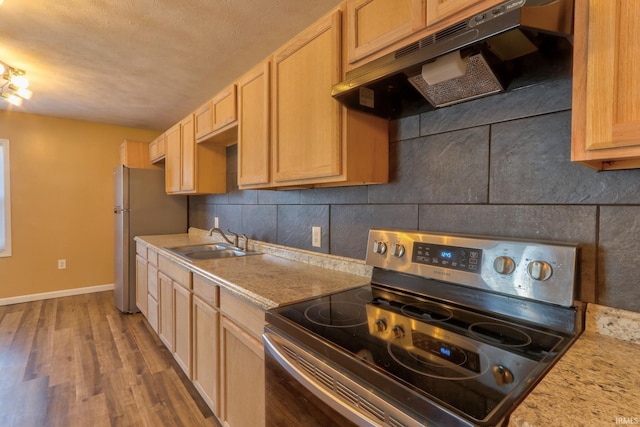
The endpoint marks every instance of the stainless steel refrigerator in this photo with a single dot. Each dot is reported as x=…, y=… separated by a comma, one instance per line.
x=141, y=207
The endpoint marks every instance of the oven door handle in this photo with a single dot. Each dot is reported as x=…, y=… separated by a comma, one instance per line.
x=272, y=343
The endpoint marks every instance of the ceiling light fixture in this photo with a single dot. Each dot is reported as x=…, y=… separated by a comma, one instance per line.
x=13, y=84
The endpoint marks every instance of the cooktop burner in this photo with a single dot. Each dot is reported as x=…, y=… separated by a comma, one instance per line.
x=337, y=314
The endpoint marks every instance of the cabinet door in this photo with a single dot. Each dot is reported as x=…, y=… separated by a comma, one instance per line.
x=157, y=149
x=173, y=159
x=141, y=284
x=253, y=127
x=438, y=10
x=242, y=377
x=205, y=352
x=606, y=87
x=188, y=174
x=306, y=134
x=165, y=323
x=203, y=121
x=375, y=24
x=182, y=327
x=225, y=111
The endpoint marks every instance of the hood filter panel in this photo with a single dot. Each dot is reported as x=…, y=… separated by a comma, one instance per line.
x=479, y=80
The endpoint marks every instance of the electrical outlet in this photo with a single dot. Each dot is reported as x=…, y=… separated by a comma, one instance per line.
x=216, y=222
x=62, y=264
x=316, y=237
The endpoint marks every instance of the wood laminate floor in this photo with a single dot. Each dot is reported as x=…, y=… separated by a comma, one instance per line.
x=78, y=361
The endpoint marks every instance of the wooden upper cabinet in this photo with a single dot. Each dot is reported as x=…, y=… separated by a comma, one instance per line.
x=216, y=120
x=306, y=119
x=439, y=10
x=375, y=24
x=192, y=168
x=135, y=154
x=173, y=159
x=379, y=27
x=254, y=146
x=157, y=149
x=187, y=176
x=606, y=86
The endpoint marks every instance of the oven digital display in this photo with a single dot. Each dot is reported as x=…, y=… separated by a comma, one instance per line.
x=457, y=258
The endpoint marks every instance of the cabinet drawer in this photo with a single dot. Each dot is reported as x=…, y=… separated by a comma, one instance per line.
x=243, y=313
x=206, y=290
x=141, y=250
x=152, y=256
x=177, y=272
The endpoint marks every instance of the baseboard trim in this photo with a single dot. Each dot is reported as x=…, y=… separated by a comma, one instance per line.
x=55, y=294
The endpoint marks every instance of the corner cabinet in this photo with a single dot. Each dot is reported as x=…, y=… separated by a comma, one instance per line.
x=312, y=137
x=606, y=87
x=190, y=167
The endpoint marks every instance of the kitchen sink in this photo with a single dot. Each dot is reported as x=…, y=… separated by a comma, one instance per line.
x=209, y=251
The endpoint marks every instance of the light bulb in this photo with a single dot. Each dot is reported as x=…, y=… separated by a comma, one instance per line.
x=12, y=99
x=19, y=81
x=25, y=93
x=2, y=69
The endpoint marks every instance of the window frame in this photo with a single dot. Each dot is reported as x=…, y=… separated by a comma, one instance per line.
x=5, y=170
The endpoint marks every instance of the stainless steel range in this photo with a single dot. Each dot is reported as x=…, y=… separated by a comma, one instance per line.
x=452, y=331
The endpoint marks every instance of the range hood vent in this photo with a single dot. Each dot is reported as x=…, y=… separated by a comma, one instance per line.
x=514, y=44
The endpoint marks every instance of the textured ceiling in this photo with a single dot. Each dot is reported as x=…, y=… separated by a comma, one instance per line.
x=141, y=63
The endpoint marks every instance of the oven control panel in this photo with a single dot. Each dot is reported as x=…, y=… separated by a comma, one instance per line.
x=538, y=270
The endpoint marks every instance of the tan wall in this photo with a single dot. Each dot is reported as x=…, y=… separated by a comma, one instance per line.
x=62, y=202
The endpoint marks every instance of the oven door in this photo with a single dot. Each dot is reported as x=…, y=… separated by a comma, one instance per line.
x=301, y=389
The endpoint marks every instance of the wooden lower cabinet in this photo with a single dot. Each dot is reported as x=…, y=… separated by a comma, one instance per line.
x=206, y=379
x=141, y=284
x=243, y=393
x=182, y=327
x=214, y=336
x=165, y=301
x=152, y=296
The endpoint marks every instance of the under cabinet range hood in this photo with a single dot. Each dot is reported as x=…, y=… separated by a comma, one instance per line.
x=513, y=44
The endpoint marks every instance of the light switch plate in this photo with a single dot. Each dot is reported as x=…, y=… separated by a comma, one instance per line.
x=316, y=237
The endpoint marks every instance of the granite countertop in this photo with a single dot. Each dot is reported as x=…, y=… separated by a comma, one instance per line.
x=596, y=383
x=268, y=280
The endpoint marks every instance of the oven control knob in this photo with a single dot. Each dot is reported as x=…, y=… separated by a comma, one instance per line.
x=379, y=247
x=397, y=250
x=502, y=375
x=381, y=325
x=539, y=270
x=398, y=332
x=504, y=265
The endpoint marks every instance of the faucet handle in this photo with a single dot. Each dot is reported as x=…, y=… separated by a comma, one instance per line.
x=235, y=237
x=246, y=242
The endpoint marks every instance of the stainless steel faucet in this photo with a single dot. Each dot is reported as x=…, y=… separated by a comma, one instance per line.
x=224, y=236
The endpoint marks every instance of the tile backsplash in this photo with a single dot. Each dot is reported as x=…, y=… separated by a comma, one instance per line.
x=496, y=166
